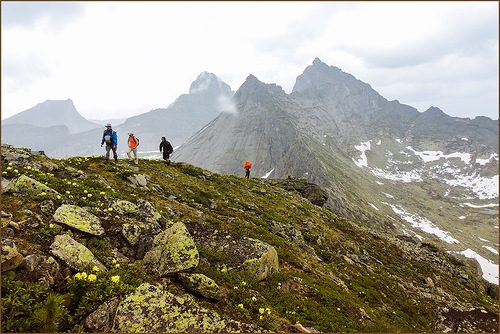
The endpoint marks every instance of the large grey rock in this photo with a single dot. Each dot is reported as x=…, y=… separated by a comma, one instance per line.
x=147, y=212
x=26, y=185
x=101, y=320
x=173, y=251
x=153, y=309
x=11, y=258
x=200, y=284
x=74, y=254
x=78, y=218
x=255, y=257
x=124, y=207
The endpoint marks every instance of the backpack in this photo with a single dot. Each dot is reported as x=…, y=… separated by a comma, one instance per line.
x=136, y=141
x=108, y=137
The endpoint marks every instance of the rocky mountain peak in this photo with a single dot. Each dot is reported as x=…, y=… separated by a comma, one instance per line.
x=253, y=87
x=208, y=82
x=52, y=113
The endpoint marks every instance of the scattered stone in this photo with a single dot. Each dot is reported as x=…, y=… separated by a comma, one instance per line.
x=26, y=185
x=132, y=233
x=6, y=185
x=74, y=254
x=41, y=267
x=78, y=218
x=173, y=251
x=138, y=180
x=152, y=309
x=201, y=284
x=8, y=232
x=429, y=282
x=124, y=207
x=47, y=207
x=11, y=258
x=287, y=232
x=101, y=320
x=147, y=211
x=5, y=215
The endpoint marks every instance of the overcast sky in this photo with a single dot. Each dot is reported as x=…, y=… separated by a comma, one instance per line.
x=119, y=59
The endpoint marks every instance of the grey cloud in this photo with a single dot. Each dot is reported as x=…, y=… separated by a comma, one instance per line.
x=463, y=35
x=28, y=13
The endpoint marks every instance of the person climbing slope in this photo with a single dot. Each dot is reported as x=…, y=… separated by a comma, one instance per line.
x=133, y=142
x=247, y=167
x=111, y=139
x=166, y=148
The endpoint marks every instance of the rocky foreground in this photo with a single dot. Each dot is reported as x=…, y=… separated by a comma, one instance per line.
x=102, y=247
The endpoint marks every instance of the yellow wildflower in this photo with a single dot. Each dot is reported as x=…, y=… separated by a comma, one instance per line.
x=84, y=275
x=261, y=310
x=51, y=225
x=117, y=265
x=254, y=298
x=92, y=277
x=102, y=193
x=241, y=306
x=115, y=279
x=261, y=317
x=95, y=268
x=114, y=261
x=89, y=195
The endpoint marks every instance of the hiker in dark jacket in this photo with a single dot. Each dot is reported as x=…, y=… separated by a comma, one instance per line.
x=111, y=139
x=166, y=148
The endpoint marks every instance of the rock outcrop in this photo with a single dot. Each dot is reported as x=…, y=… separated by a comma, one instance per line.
x=74, y=254
x=152, y=309
x=173, y=251
x=78, y=218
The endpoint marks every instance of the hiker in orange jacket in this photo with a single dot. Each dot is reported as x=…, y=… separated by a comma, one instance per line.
x=133, y=142
x=247, y=167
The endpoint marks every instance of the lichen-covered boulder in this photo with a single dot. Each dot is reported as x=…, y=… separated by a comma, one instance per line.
x=101, y=320
x=255, y=257
x=26, y=185
x=146, y=211
x=200, y=284
x=173, y=251
x=264, y=261
x=131, y=232
x=74, y=254
x=152, y=309
x=11, y=258
x=78, y=218
x=124, y=207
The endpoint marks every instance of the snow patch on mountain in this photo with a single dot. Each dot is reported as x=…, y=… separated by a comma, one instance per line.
x=363, y=160
x=422, y=223
x=461, y=217
x=492, y=205
x=428, y=156
x=483, y=187
x=373, y=206
x=267, y=174
x=388, y=195
x=411, y=176
x=491, y=249
x=483, y=162
x=489, y=269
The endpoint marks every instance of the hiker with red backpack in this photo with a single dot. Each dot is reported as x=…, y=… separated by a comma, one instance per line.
x=247, y=167
x=133, y=142
x=111, y=139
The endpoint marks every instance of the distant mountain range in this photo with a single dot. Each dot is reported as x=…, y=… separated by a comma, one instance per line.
x=75, y=136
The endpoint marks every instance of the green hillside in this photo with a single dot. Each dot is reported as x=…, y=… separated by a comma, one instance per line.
x=95, y=246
